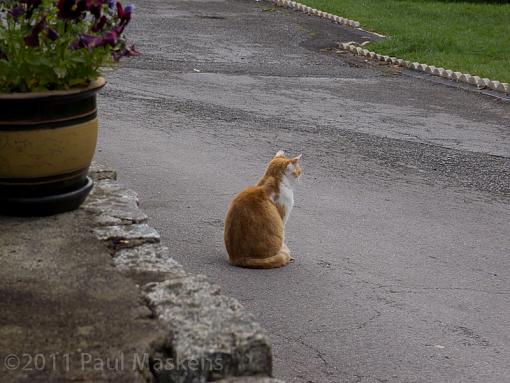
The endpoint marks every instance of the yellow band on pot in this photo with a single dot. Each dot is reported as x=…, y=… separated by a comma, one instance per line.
x=47, y=152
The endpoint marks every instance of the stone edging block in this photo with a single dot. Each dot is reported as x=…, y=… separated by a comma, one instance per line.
x=465, y=78
x=312, y=11
x=210, y=327
x=113, y=204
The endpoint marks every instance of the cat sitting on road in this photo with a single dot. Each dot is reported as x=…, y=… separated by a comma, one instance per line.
x=256, y=218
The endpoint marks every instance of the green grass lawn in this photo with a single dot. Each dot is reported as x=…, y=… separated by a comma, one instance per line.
x=467, y=37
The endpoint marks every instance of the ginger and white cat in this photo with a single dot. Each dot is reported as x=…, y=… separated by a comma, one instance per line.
x=256, y=217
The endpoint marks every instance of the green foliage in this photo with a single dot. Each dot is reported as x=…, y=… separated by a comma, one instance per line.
x=44, y=48
x=463, y=36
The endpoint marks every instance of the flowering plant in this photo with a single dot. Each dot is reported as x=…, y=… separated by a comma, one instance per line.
x=58, y=44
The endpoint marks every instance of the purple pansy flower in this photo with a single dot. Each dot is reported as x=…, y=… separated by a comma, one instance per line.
x=124, y=13
x=131, y=51
x=112, y=37
x=32, y=40
x=52, y=34
x=31, y=6
x=94, y=7
x=16, y=12
x=71, y=9
x=87, y=41
x=99, y=25
x=31, y=3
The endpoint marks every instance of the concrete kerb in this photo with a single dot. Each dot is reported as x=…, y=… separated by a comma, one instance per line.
x=315, y=12
x=209, y=336
x=465, y=78
x=480, y=83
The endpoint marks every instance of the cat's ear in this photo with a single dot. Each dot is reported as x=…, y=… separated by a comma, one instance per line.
x=280, y=153
x=296, y=159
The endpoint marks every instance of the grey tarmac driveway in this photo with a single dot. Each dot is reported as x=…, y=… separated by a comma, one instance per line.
x=401, y=226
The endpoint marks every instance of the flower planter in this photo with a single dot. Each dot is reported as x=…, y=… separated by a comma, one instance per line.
x=47, y=141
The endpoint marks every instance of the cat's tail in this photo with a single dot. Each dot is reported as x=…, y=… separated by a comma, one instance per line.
x=282, y=258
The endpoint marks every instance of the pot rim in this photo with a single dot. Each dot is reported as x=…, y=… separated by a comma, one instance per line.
x=95, y=85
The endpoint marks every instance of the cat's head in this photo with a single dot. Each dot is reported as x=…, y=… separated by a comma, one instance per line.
x=281, y=166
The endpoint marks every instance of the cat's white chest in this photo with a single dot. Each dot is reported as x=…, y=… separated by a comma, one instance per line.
x=286, y=199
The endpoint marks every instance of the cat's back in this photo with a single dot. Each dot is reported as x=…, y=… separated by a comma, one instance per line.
x=250, y=197
x=253, y=225
x=252, y=204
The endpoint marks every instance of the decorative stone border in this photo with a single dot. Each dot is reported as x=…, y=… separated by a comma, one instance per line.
x=205, y=334
x=312, y=11
x=465, y=78
x=480, y=83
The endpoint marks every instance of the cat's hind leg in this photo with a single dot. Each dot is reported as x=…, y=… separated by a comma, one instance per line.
x=281, y=259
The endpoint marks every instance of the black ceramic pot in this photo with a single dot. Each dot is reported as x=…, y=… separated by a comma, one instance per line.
x=47, y=141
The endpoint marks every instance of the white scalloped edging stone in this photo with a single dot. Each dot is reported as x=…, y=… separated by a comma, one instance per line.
x=494, y=85
x=448, y=74
x=306, y=9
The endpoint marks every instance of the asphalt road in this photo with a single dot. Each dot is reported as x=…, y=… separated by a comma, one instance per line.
x=401, y=226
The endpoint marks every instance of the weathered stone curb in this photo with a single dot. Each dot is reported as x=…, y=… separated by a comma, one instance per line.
x=209, y=336
x=113, y=204
x=148, y=258
x=211, y=328
x=465, y=78
x=315, y=12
